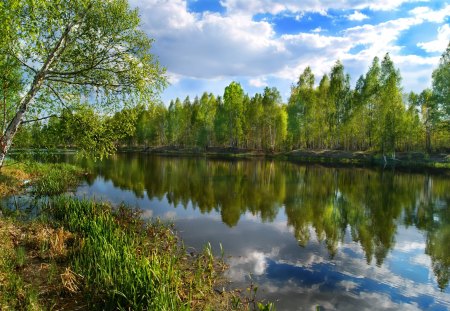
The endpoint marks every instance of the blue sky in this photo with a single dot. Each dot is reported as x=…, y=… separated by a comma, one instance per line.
x=206, y=44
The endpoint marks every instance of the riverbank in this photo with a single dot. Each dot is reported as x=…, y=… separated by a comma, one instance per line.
x=337, y=157
x=413, y=160
x=84, y=255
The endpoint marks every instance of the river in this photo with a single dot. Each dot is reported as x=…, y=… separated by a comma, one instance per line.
x=310, y=237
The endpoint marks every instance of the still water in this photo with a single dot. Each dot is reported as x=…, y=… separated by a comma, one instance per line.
x=310, y=237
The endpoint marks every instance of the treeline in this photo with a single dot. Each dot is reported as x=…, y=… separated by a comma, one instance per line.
x=376, y=115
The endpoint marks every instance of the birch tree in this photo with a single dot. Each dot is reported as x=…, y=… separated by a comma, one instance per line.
x=63, y=53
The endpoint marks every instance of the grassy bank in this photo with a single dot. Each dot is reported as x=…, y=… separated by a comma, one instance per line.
x=39, y=178
x=399, y=159
x=87, y=255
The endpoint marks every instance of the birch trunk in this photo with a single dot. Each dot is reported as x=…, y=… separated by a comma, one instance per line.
x=8, y=136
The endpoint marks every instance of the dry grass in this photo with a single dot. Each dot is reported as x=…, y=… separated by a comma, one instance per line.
x=34, y=271
x=12, y=180
x=71, y=281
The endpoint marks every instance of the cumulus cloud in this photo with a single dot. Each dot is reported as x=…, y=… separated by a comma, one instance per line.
x=427, y=14
x=209, y=45
x=441, y=42
x=258, y=82
x=321, y=6
x=234, y=45
x=254, y=262
x=357, y=16
x=317, y=30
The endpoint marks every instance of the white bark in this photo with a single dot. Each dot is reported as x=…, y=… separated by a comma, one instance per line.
x=7, y=137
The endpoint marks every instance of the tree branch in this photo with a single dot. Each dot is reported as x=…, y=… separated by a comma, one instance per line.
x=23, y=63
x=39, y=119
x=57, y=96
x=92, y=83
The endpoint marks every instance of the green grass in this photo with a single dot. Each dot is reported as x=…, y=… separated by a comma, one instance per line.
x=15, y=293
x=45, y=179
x=53, y=179
x=126, y=264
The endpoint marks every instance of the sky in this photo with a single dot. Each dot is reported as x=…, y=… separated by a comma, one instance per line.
x=207, y=44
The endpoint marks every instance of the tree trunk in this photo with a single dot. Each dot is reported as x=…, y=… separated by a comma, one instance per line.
x=11, y=130
x=428, y=139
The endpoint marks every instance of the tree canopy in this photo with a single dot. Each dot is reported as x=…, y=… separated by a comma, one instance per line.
x=87, y=64
x=63, y=54
x=373, y=116
x=441, y=85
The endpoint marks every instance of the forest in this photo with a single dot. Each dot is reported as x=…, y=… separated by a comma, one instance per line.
x=375, y=115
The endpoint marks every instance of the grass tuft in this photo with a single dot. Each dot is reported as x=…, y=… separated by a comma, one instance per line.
x=54, y=179
x=127, y=264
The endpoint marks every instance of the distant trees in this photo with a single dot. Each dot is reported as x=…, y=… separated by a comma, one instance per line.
x=441, y=87
x=374, y=116
x=233, y=108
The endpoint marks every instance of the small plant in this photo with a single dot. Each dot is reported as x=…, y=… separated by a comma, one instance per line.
x=266, y=307
x=222, y=252
x=21, y=257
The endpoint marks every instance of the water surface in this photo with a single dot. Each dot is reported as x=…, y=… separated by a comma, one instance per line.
x=308, y=236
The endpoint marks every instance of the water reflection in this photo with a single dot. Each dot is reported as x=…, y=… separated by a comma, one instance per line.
x=301, y=229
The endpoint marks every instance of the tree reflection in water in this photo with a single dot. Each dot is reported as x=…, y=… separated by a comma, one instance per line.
x=371, y=203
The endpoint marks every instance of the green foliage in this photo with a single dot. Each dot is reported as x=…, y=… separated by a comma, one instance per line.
x=63, y=53
x=220, y=124
x=15, y=293
x=441, y=87
x=109, y=263
x=301, y=109
x=233, y=105
x=274, y=119
x=104, y=48
x=374, y=116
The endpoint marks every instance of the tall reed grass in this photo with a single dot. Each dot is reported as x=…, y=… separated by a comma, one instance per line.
x=123, y=263
x=55, y=178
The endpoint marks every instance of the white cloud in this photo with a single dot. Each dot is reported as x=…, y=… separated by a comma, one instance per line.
x=441, y=42
x=381, y=38
x=422, y=260
x=408, y=246
x=209, y=45
x=250, y=7
x=317, y=30
x=430, y=15
x=234, y=46
x=147, y=214
x=254, y=262
x=348, y=285
x=170, y=215
x=357, y=16
x=173, y=78
x=258, y=82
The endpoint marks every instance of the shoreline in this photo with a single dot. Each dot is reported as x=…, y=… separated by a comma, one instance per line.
x=407, y=160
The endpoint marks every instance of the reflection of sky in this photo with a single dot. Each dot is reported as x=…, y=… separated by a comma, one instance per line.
x=153, y=207
x=300, y=278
